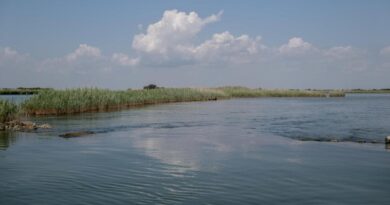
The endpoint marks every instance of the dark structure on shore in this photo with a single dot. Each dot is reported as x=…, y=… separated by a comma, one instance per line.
x=150, y=87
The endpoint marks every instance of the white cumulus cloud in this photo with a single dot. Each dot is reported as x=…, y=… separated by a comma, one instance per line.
x=83, y=59
x=295, y=45
x=8, y=54
x=171, y=41
x=339, y=51
x=84, y=50
x=174, y=29
x=124, y=60
x=225, y=47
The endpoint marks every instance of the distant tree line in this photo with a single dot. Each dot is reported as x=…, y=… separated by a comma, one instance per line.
x=21, y=90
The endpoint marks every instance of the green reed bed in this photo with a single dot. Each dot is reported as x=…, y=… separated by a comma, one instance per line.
x=8, y=111
x=93, y=99
x=369, y=91
x=238, y=92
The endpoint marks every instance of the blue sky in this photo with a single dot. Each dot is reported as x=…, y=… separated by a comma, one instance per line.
x=286, y=44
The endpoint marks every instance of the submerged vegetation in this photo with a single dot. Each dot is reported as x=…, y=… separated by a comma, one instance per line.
x=8, y=111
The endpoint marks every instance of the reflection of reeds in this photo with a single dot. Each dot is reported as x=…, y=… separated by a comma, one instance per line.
x=6, y=139
x=8, y=110
x=93, y=99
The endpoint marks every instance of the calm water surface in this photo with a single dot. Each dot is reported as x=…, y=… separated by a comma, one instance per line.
x=242, y=151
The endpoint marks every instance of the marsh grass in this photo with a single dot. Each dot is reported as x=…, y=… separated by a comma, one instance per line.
x=8, y=111
x=369, y=91
x=93, y=99
x=237, y=92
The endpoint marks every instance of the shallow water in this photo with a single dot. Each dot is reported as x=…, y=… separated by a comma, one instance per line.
x=224, y=152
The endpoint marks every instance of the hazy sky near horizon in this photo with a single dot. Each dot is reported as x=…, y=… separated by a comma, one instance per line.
x=121, y=44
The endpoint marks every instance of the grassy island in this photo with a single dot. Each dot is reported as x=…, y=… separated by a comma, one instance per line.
x=80, y=100
x=57, y=102
x=93, y=99
x=244, y=92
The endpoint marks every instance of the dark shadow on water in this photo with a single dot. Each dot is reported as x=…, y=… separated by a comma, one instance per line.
x=6, y=139
x=339, y=139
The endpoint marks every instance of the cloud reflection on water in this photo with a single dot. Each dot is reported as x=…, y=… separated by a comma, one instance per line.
x=202, y=149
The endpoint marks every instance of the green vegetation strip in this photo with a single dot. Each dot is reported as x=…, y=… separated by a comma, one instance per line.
x=369, y=91
x=21, y=91
x=243, y=92
x=8, y=111
x=93, y=99
x=58, y=102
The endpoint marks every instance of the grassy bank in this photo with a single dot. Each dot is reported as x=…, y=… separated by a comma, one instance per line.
x=237, y=92
x=57, y=102
x=92, y=99
x=8, y=111
x=368, y=91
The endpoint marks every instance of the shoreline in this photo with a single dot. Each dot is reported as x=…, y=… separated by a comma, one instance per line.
x=83, y=100
x=50, y=102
